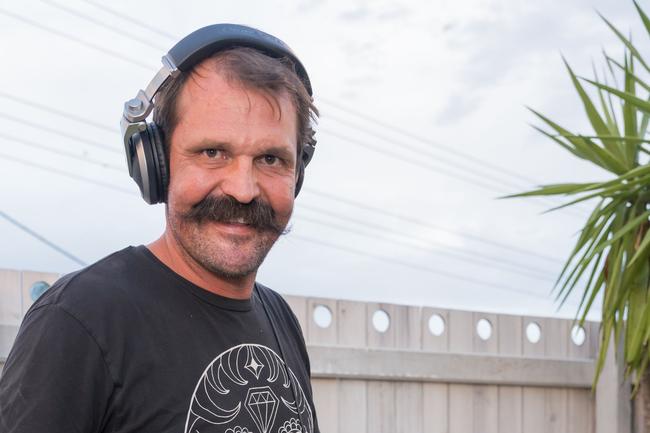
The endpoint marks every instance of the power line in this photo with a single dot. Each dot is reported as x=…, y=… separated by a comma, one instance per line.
x=56, y=111
x=409, y=160
x=439, y=272
x=130, y=19
x=428, y=142
x=456, y=254
x=102, y=24
x=65, y=173
x=419, y=222
x=35, y=235
x=74, y=39
x=59, y=132
x=419, y=151
x=448, y=249
x=437, y=168
x=59, y=152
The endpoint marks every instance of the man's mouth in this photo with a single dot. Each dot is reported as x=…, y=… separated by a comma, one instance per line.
x=238, y=221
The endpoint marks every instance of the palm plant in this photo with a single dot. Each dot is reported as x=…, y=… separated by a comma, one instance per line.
x=612, y=253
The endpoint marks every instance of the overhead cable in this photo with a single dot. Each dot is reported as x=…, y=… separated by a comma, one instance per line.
x=42, y=239
x=83, y=140
x=66, y=174
x=40, y=26
x=101, y=23
x=139, y=23
x=439, y=272
x=405, y=132
x=56, y=111
x=468, y=255
x=450, y=253
x=410, y=219
x=56, y=151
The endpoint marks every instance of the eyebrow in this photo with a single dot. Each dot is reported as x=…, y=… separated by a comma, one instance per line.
x=280, y=151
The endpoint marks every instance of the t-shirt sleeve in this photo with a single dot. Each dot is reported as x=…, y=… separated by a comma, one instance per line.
x=55, y=379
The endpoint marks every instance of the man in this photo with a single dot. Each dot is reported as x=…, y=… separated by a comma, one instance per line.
x=177, y=336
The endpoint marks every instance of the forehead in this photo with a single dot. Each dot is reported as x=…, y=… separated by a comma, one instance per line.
x=214, y=79
x=212, y=100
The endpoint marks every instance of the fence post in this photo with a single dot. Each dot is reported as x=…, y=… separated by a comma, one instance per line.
x=613, y=392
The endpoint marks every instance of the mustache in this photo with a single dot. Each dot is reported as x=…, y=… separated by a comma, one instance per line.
x=257, y=214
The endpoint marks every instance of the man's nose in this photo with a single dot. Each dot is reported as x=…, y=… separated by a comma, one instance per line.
x=240, y=181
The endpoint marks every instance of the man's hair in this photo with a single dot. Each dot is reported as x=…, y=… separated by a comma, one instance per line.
x=253, y=70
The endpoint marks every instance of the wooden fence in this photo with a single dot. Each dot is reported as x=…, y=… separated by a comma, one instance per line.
x=391, y=368
x=408, y=379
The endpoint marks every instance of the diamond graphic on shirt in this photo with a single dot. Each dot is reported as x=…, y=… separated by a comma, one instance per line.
x=254, y=366
x=255, y=377
x=262, y=404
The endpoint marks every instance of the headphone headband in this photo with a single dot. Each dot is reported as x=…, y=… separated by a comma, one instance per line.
x=205, y=41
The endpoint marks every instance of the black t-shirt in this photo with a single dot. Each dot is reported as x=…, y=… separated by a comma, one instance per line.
x=127, y=345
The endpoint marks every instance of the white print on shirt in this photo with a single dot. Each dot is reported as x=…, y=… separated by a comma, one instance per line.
x=248, y=389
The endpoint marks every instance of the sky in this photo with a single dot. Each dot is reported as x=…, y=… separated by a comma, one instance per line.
x=423, y=126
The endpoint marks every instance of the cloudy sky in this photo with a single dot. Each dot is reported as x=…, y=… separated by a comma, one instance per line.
x=423, y=126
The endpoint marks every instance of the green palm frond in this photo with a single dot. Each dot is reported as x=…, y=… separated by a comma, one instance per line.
x=611, y=256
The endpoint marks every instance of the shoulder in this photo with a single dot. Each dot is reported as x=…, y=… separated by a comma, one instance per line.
x=276, y=300
x=277, y=303
x=95, y=287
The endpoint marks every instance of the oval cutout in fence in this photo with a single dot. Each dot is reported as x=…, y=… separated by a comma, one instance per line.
x=484, y=329
x=381, y=321
x=322, y=316
x=436, y=325
x=533, y=332
x=578, y=335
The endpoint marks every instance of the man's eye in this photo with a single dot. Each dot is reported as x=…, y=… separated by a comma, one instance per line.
x=211, y=153
x=271, y=159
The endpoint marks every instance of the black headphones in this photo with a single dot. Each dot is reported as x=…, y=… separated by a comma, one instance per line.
x=143, y=141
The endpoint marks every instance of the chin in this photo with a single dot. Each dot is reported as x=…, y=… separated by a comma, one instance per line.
x=232, y=260
x=232, y=269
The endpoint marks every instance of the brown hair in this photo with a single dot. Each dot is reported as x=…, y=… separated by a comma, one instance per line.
x=254, y=70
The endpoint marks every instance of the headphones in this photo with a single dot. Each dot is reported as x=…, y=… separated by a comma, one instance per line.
x=143, y=142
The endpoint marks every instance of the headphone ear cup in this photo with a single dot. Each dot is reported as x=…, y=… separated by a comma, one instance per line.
x=144, y=164
x=305, y=155
x=300, y=178
x=141, y=164
x=160, y=159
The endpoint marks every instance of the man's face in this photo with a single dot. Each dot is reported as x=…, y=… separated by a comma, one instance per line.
x=232, y=173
